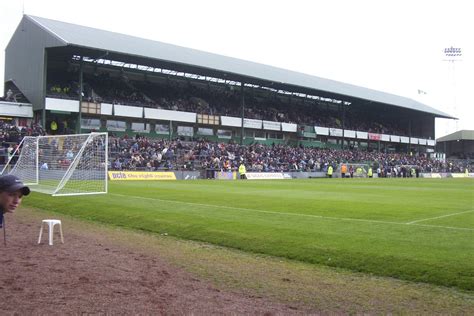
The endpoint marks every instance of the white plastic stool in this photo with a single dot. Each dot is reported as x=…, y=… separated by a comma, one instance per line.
x=51, y=223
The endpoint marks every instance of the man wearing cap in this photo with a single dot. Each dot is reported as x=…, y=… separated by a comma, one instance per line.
x=12, y=191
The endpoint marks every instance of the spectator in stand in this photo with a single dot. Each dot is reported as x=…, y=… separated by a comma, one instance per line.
x=9, y=95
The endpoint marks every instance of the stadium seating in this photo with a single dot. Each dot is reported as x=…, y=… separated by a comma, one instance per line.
x=101, y=87
x=142, y=153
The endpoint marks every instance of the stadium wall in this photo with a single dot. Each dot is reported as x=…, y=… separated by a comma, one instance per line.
x=233, y=175
x=25, y=60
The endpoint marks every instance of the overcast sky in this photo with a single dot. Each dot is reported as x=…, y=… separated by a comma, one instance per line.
x=392, y=46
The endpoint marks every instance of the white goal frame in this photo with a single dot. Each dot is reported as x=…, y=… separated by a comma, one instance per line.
x=78, y=177
x=364, y=166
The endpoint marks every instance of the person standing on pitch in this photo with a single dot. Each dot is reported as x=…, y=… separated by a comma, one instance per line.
x=343, y=170
x=242, y=171
x=329, y=172
x=12, y=191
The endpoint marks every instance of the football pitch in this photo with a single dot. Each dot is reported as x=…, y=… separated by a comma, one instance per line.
x=419, y=230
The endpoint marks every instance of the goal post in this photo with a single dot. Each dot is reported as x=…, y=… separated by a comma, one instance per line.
x=359, y=170
x=62, y=164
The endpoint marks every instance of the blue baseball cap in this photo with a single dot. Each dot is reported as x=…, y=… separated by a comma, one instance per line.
x=11, y=183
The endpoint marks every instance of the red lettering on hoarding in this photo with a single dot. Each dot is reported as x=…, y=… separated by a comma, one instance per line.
x=373, y=136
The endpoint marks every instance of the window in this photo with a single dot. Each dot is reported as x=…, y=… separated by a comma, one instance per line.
x=90, y=108
x=162, y=129
x=141, y=127
x=260, y=135
x=205, y=131
x=275, y=135
x=185, y=131
x=208, y=119
x=116, y=125
x=223, y=133
x=88, y=123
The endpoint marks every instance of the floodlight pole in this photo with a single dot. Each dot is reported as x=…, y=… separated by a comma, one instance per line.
x=452, y=55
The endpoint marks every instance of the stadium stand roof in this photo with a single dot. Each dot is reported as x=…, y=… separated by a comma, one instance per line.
x=96, y=39
x=459, y=135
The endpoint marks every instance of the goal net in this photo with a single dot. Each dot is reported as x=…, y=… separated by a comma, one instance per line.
x=359, y=170
x=62, y=164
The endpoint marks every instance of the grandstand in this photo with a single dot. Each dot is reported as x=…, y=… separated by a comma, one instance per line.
x=80, y=79
x=459, y=145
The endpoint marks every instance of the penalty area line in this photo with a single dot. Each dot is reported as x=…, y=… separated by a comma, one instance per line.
x=437, y=217
x=293, y=214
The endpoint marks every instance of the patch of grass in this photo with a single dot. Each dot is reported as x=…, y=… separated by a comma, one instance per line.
x=354, y=224
x=308, y=287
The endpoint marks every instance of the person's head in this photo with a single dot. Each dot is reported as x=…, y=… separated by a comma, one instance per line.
x=12, y=191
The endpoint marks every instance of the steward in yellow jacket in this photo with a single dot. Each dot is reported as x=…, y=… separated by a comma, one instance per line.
x=242, y=171
x=330, y=170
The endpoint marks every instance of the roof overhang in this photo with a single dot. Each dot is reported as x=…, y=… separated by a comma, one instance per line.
x=458, y=136
x=148, y=52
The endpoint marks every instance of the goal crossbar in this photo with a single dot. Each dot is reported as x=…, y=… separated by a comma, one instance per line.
x=62, y=164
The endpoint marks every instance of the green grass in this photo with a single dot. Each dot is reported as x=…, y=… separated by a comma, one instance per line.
x=355, y=224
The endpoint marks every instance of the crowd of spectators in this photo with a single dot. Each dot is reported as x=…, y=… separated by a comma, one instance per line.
x=226, y=101
x=67, y=90
x=11, y=135
x=142, y=153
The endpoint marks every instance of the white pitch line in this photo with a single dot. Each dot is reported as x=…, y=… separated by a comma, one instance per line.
x=292, y=214
x=437, y=217
x=447, y=227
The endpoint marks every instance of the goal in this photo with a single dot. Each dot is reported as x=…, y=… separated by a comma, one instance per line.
x=62, y=164
x=359, y=169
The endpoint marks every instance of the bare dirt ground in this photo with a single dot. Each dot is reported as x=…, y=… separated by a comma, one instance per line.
x=102, y=270
x=90, y=275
